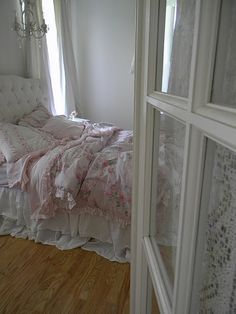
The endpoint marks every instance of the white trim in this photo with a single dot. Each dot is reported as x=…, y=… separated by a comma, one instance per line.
x=205, y=51
x=170, y=99
x=158, y=284
x=221, y=114
x=148, y=170
x=165, y=281
x=158, y=37
x=214, y=129
x=170, y=109
x=179, y=258
x=152, y=57
x=154, y=133
x=139, y=270
x=135, y=281
x=222, y=108
x=207, y=166
x=194, y=56
x=154, y=170
x=189, y=220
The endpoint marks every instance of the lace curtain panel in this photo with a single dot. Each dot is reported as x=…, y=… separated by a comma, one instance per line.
x=218, y=292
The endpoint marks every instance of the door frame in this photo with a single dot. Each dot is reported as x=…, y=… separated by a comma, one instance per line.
x=203, y=120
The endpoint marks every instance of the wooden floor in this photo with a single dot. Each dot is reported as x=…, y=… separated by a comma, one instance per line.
x=37, y=278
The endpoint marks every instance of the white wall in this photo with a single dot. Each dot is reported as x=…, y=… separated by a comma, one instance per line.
x=103, y=37
x=11, y=57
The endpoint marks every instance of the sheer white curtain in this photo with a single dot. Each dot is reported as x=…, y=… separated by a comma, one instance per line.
x=66, y=55
x=37, y=61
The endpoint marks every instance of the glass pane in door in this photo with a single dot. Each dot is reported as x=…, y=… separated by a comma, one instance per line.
x=169, y=138
x=174, y=43
x=217, y=269
x=224, y=76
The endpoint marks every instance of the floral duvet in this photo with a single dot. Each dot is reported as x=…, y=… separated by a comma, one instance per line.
x=90, y=174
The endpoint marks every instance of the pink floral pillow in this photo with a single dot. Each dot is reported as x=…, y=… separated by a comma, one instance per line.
x=61, y=127
x=37, y=118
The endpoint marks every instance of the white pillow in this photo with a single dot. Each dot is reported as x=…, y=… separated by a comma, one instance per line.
x=16, y=140
x=61, y=127
x=37, y=118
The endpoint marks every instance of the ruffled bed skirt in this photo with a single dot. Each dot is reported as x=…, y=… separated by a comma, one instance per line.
x=65, y=230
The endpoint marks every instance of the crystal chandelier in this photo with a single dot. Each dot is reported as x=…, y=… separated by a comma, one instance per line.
x=28, y=26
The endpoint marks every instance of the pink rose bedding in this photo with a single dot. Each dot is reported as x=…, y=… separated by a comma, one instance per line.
x=107, y=187
x=91, y=174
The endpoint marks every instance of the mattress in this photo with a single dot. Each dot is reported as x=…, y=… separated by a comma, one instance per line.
x=3, y=175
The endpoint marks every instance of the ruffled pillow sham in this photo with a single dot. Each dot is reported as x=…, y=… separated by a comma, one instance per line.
x=17, y=141
x=61, y=127
x=37, y=118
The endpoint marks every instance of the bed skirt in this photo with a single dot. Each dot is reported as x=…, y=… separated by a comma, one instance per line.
x=65, y=230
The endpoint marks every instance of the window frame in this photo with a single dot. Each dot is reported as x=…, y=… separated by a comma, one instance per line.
x=203, y=120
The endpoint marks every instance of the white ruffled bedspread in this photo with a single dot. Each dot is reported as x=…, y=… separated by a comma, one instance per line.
x=89, y=175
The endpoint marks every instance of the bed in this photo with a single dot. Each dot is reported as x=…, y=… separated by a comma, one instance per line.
x=62, y=183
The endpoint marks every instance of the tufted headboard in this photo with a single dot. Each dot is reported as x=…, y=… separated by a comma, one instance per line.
x=19, y=96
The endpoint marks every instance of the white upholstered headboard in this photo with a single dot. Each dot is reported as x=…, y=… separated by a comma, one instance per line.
x=19, y=96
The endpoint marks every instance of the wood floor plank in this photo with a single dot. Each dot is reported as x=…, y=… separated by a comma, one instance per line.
x=37, y=278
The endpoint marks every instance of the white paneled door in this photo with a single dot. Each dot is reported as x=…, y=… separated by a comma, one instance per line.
x=184, y=187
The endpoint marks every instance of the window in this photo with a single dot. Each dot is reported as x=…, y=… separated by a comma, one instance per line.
x=168, y=41
x=55, y=61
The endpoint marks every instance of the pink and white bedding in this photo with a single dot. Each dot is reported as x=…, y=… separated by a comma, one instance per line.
x=91, y=175
x=74, y=219
x=85, y=175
